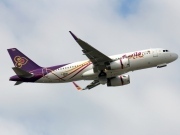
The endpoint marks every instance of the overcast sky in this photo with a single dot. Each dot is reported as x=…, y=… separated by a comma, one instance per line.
x=39, y=28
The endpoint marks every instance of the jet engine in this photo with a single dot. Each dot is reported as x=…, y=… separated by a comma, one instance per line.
x=119, y=80
x=119, y=64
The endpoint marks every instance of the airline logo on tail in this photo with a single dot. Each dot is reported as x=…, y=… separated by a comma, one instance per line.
x=20, y=61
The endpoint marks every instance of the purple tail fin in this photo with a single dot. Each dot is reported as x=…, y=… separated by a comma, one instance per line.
x=22, y=61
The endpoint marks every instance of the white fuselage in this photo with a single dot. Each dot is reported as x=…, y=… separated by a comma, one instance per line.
x=138, y=60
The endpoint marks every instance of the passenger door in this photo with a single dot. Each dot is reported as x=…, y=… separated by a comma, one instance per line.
x=155, y=53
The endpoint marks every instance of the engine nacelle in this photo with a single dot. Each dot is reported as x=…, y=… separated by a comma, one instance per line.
x=119, y=64
x=119, y=81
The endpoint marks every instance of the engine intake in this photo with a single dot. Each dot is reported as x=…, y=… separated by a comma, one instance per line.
x=119, y=81
x=119, y=64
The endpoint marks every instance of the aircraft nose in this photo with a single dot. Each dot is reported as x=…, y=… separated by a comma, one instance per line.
x=174, y=56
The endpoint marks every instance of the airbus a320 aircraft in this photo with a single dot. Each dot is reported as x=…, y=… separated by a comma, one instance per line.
x=100, y=68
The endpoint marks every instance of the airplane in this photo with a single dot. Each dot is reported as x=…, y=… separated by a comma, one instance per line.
x=101, y=69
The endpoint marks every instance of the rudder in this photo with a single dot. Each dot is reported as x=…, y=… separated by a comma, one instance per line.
x=22, y=61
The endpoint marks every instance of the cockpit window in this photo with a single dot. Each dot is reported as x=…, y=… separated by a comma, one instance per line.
x=165, y=51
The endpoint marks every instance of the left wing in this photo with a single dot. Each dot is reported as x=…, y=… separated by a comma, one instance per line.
x=98, y=59
x=90, y=86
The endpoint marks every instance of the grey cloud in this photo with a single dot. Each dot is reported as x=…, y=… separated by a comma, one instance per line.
x=149, y=105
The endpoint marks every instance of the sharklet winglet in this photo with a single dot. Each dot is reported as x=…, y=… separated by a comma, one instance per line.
x=77, y=86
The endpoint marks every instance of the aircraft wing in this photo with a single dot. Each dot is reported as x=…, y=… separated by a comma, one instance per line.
x=96, y=57
x=90, y=86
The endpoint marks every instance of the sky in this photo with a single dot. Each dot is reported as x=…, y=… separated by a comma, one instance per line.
x=150, y=104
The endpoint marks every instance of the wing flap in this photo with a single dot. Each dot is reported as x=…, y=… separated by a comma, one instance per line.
x=92, y=85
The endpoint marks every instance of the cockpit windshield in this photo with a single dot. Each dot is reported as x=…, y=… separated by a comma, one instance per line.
x=165, y=50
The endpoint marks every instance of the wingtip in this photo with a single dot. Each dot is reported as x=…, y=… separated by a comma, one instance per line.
x=74, y=36
x=77, y=86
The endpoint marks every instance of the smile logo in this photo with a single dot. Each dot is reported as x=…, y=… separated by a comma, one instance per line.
x=20, y=61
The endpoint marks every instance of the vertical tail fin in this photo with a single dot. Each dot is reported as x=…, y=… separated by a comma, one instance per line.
x=22, y=61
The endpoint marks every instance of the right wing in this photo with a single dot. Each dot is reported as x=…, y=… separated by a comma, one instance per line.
x=90, y=86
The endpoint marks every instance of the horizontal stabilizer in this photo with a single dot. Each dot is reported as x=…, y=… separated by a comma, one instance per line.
x=18, y=82
x=22, y=73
